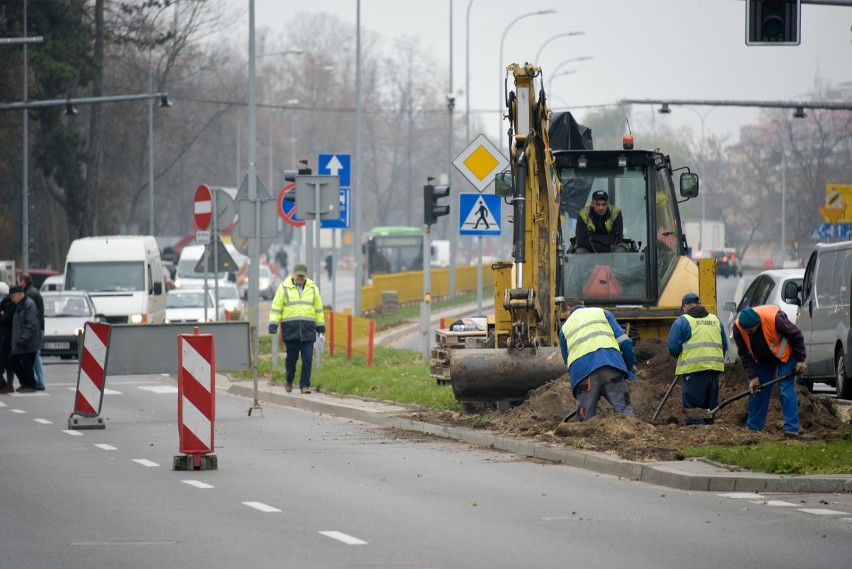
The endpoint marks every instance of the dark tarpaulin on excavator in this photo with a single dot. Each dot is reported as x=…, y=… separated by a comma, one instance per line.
x=567, y=134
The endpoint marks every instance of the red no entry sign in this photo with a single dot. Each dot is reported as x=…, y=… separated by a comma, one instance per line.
x=203, y=207
x=287, y=209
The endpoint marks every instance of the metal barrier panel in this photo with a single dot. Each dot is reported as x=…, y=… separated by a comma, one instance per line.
x=150, y=348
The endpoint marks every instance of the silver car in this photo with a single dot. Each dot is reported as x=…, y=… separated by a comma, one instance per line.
x=766, y=288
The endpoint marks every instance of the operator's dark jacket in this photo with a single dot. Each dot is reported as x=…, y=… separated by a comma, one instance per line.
x=761, y=349
x=600, y=240
x=25, y=328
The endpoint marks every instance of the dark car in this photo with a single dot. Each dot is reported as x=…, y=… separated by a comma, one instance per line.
x=727, y=262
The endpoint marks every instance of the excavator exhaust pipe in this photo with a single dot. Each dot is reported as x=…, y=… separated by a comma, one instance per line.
x=494, y=375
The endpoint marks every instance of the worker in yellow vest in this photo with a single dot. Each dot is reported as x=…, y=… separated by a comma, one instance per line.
x=697, y=339
x=298, y=307
x=600, y=357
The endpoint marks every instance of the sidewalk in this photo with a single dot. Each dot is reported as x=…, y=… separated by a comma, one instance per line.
x=693, y=475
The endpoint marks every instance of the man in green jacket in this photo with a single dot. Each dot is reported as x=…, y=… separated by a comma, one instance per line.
x=297, y=306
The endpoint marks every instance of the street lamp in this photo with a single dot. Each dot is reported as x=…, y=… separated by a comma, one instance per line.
x=537, y=59
x=560, y=74
x=500, y=93
x=163, y=103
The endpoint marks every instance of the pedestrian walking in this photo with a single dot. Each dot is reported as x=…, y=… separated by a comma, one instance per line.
x=697, y=339
x=25, y=281
x=770, y=346
x=7, y=313
x=26, y=338
x=297, y=306
x=599, y=356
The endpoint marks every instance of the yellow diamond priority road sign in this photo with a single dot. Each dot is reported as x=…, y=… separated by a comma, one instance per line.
x=480, y=162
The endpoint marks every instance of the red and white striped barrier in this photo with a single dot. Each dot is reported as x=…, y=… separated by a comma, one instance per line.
x=196, y=401
x=91, y=378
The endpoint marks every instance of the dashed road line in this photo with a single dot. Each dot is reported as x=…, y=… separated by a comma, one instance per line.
x=261, y=506
x=823, y=512
x=145, y=462
x=43, y=421
x=342, y=537
x=159, y=389
x=105, y=446
x=19, y=411
x=72, y=432
x=204, y=485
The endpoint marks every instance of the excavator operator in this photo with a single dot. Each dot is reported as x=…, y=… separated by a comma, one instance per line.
x=600, y=227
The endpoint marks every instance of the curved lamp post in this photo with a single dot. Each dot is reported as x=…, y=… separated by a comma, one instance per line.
x=537, y=59
x=500, y=93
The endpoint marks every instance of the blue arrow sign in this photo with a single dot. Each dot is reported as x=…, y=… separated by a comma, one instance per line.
x=832, y=231
x=338, y=165
x=479, y=214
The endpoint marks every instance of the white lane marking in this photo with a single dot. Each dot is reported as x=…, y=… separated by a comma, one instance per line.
x=821, y=512
x=200, y=484
x=261, y=506
x=742, y=495
x=159, y=389
x=776, y=503
x=43, y=421
x=19, y=411
x=340, y=536
x=72, y=432
x=108, y=391
x=2, y=404
x=145, y=462
x=104, y=446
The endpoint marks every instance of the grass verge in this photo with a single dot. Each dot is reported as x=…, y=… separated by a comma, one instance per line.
x=833, y=457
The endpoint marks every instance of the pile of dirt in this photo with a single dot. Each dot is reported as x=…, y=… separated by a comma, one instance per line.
x=637, y=438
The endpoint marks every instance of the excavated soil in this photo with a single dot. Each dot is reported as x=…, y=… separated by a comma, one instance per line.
x=637, y=438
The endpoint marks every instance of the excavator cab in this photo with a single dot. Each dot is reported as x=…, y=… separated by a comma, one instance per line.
x=639, y=184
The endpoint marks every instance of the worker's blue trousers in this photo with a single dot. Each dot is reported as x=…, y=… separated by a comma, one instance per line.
x=758, y=405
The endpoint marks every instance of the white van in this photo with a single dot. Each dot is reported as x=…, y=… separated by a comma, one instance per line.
x=123, y=274
x=824, y=316
x=187, y=277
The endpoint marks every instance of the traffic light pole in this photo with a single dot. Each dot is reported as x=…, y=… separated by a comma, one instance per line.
x=426, y=305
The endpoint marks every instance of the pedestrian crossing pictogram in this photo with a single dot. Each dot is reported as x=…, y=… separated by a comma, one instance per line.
x=479, y=214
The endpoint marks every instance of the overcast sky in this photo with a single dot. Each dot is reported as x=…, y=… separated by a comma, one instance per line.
x=642, y=49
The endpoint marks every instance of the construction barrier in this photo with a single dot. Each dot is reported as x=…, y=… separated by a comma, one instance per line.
x=409, y=285
x=91, y=378
x=351, y=333
x=196, y=402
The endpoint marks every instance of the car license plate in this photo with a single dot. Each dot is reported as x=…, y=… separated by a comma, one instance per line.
x=57, y=345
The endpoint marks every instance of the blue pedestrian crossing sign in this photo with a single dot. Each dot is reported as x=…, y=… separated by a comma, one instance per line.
x=479, y=214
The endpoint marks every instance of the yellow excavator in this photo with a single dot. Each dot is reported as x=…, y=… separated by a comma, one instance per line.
x=554, y=172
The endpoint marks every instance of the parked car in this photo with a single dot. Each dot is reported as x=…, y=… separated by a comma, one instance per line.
x=65, y=316
x=824, y=316
x=187, y=305
x=766, y=288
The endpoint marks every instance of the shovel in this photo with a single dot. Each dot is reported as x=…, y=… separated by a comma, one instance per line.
x=738, y=396
x=570, y=415
x=665, y=397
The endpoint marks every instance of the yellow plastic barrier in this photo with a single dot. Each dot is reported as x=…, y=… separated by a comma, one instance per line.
x=409, y=285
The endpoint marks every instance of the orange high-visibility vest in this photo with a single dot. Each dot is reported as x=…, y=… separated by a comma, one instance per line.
x=777, y=343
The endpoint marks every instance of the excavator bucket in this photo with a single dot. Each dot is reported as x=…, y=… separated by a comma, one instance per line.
x=495, y=375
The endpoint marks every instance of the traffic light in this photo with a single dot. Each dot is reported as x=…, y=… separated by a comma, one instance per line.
x=432, y=209
x=773, y=22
